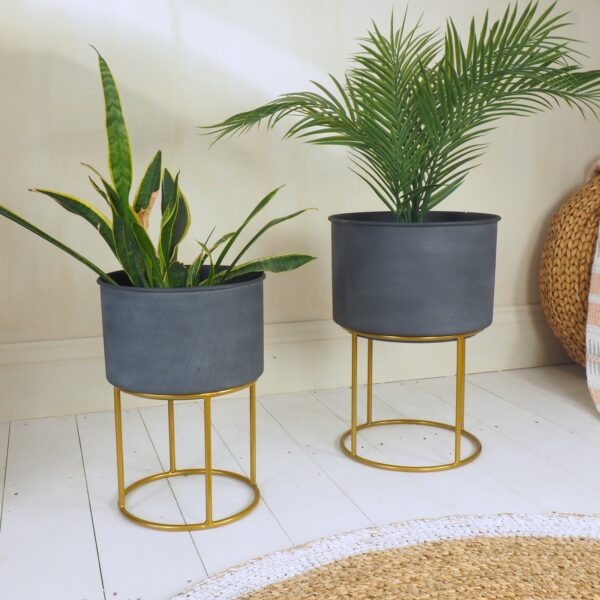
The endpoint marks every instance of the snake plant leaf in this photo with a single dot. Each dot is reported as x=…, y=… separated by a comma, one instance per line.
x=206, y=252
x=263, y=202
x=144, y=264
x=5, y=212
x=128, y=254
x=134, y=248
x=272, y=264
x=96, y=187
x=261, y=231
x=82, y=208
x=193, y=274
x=170, y=191
x=93, y=170
x=119, y=153
x=222, y=240
x=182, y=222
x=178, y=273
x=113, y=198
x=136, y=253
x=148, y=191
x=148, y=252
x=175, y=220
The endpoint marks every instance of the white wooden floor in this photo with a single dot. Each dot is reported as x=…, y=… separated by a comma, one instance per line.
x=61, y=536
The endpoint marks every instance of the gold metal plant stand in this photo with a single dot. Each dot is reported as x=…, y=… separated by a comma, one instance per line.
x=208, y=471
x=458, y=427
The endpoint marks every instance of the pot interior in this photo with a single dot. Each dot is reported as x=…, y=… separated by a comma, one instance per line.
x=444, y=217
x=123, y=280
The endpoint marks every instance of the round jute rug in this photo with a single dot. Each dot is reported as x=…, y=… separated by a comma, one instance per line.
x=525, y=557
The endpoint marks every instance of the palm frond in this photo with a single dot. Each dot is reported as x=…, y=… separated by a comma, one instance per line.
x=414, y=106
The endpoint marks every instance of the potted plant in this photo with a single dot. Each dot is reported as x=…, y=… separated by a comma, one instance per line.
x=169, y=327
x=412, y=110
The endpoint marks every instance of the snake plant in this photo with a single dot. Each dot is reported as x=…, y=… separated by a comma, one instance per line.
x=145, y=264
x=413, y=107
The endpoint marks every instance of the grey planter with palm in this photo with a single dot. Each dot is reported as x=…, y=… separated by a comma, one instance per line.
x=443, y=285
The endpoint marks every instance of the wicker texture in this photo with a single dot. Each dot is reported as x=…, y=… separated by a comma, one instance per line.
x=567, y=256
x=485, y=557
x=513, y=568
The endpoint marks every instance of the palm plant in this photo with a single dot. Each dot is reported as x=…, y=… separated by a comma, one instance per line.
x=145, y=264
x=414, y=106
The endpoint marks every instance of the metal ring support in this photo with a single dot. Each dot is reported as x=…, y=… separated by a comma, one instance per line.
x=457, y=428
x=207, y=471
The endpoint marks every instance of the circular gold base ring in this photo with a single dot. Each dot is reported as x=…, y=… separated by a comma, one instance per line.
x=411, y=469
x=191, y=526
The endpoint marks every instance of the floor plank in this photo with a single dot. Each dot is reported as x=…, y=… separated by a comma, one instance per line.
x=383, y=496
x=465, y=490
x=557, y=394
x=62, y=537
x=47, y=546
x=564, y=448
x=137, y=562
x=306, y=501
x=523, y=466
x=222, y=547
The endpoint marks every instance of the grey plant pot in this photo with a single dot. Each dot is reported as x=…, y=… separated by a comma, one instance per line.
x=413, y=279
x=183, y=340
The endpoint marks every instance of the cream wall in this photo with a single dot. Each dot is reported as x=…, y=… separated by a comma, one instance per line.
x=190, y=62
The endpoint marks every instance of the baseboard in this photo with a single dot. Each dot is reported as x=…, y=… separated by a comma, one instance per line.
x=49, y=378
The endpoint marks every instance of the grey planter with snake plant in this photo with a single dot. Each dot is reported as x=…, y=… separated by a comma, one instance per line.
x=170, y=327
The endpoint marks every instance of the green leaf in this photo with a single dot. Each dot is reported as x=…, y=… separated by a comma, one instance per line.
x=197, y=266
x=148, y=190
x=262, y=231
x=134, y=249
x=119, y=154
x=193, y=274
x=95, y=185
x=148, y=252
x=181, y=224
x=273, y=264
x=206, y=252
x=82, y=208
x=27, y=225
x=175, y=222
x=169, y=191
x=128, y=253
x=221, y=240
x=170, y=194
x=178, y=273
x=99, y=190
x=413, y=106
x=239, y=230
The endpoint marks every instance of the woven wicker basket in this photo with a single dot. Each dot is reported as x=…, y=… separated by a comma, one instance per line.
x=567, y=256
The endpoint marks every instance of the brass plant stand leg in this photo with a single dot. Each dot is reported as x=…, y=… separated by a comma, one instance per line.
x=208, y=471
x=457, y=428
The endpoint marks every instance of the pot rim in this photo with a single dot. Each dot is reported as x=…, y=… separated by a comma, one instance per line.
x=253, y=279
x=358, y=218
